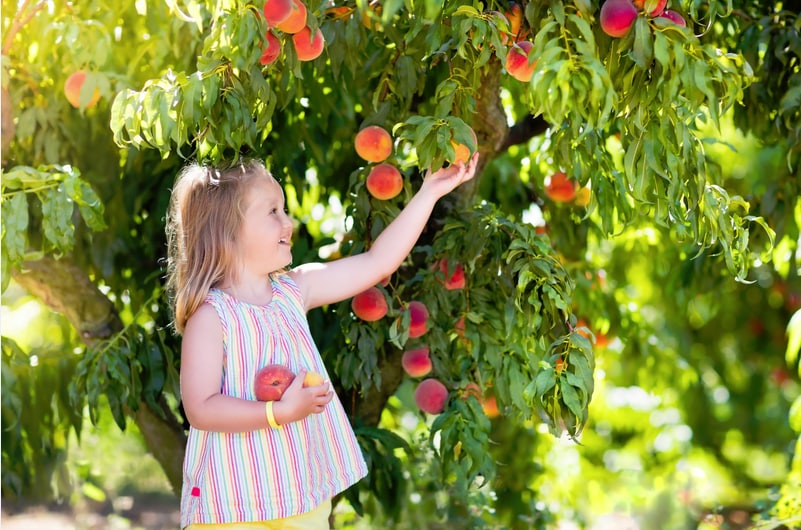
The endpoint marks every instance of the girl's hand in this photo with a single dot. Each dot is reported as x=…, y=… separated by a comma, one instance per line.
x=299, y=401
x=445, y=180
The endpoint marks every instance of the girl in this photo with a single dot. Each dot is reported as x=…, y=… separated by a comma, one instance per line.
x=251, y=464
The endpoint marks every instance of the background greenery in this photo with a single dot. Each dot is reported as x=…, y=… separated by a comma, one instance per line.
x=670, y=295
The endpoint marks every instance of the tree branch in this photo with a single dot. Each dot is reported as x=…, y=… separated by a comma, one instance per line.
x=66, y=288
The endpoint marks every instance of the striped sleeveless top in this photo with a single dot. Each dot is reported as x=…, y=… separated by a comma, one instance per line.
x=268, y=473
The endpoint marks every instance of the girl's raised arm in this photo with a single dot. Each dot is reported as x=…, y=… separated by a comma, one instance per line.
x=331, y=282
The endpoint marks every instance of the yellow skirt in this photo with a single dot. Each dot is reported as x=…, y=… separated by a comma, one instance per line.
x=316, y=519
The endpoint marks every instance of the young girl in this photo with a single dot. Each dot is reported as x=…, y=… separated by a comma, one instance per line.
x=252, y=464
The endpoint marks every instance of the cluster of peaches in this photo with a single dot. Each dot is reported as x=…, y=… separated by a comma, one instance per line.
x=618, y=16
x=289, y=17
x=431, y=394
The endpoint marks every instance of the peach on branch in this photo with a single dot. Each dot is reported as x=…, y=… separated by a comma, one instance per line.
x=674, y=17
x=370, y=305
x=560, y=188
x=583, y=196
x=456, y=279
x=417, y=362
x=490, y=407
x=272, y=49
x=72, y=90
x=373, y=143
x=307, y=46
x=617, y=17
x=384, y=181
x=653, y=8
x=296, y=20
x=418, y=321
x=276, y=11
x=430, y=396
x=517, y=61
x=515, y=17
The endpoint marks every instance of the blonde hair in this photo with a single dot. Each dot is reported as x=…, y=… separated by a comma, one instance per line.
x=203, y=223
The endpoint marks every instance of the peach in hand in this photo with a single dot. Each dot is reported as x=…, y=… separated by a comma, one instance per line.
x=373, y=143
x=384, y=181
x=461, y=151
x=271, y=382
x=370, y=305
x=313, y=379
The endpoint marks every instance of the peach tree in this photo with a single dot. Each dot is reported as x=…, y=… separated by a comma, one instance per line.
x=626, y=106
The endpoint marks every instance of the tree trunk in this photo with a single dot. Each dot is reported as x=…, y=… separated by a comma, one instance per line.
x=65, y=288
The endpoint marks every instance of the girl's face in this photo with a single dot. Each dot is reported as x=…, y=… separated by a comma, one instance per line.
x=266, y=232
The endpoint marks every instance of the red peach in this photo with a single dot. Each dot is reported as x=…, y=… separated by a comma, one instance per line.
x=370, y=305
x=276, y=11
x=674, y=17
x=271, y=382
x=617, y=17
x=307, y=46
x=272, y=50
x=72, y=90
x=417, y=362
x=657, y=6
x=384, y=181
x=456, y=280
x=418, y=324
x=517, y=61
x=296, y=20
x=431, y=396
x=560, y=188
x=373, y=143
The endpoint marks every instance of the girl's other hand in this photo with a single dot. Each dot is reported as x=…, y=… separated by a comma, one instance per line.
x=299, y=401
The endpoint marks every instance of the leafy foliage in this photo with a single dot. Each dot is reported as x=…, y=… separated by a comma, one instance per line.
x=616, y=322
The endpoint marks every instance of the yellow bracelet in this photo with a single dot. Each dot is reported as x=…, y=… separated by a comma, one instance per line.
x=268, y=410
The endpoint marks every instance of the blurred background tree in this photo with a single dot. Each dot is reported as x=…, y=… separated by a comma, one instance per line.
x=622, y=351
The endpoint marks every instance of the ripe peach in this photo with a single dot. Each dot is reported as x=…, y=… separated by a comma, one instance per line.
x=370, y=305
x=276, y=11
x=456, y=280
x=313, y=379
x=490, y=407
x=373, y=143
x=72, y=90
x=308, y=46
x=296, y=20
x=384, y=181
x=617, y=17
x=418, y=324
x=517, y=61
x=272, y=49
x=461, y=151
x=583, y=196
x=674, y=17
x=515, y=16
x=271, y=382
x=340, y=12
x=417, y=362
x=657, y=6
x=559, y=188
x=431, y=396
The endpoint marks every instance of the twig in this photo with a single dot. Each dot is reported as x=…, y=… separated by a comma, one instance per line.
x=18, y=22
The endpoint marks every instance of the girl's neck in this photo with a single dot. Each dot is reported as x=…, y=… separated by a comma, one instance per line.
x=258, y=291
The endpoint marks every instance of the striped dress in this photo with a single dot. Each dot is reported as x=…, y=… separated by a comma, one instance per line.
x=268, y=473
